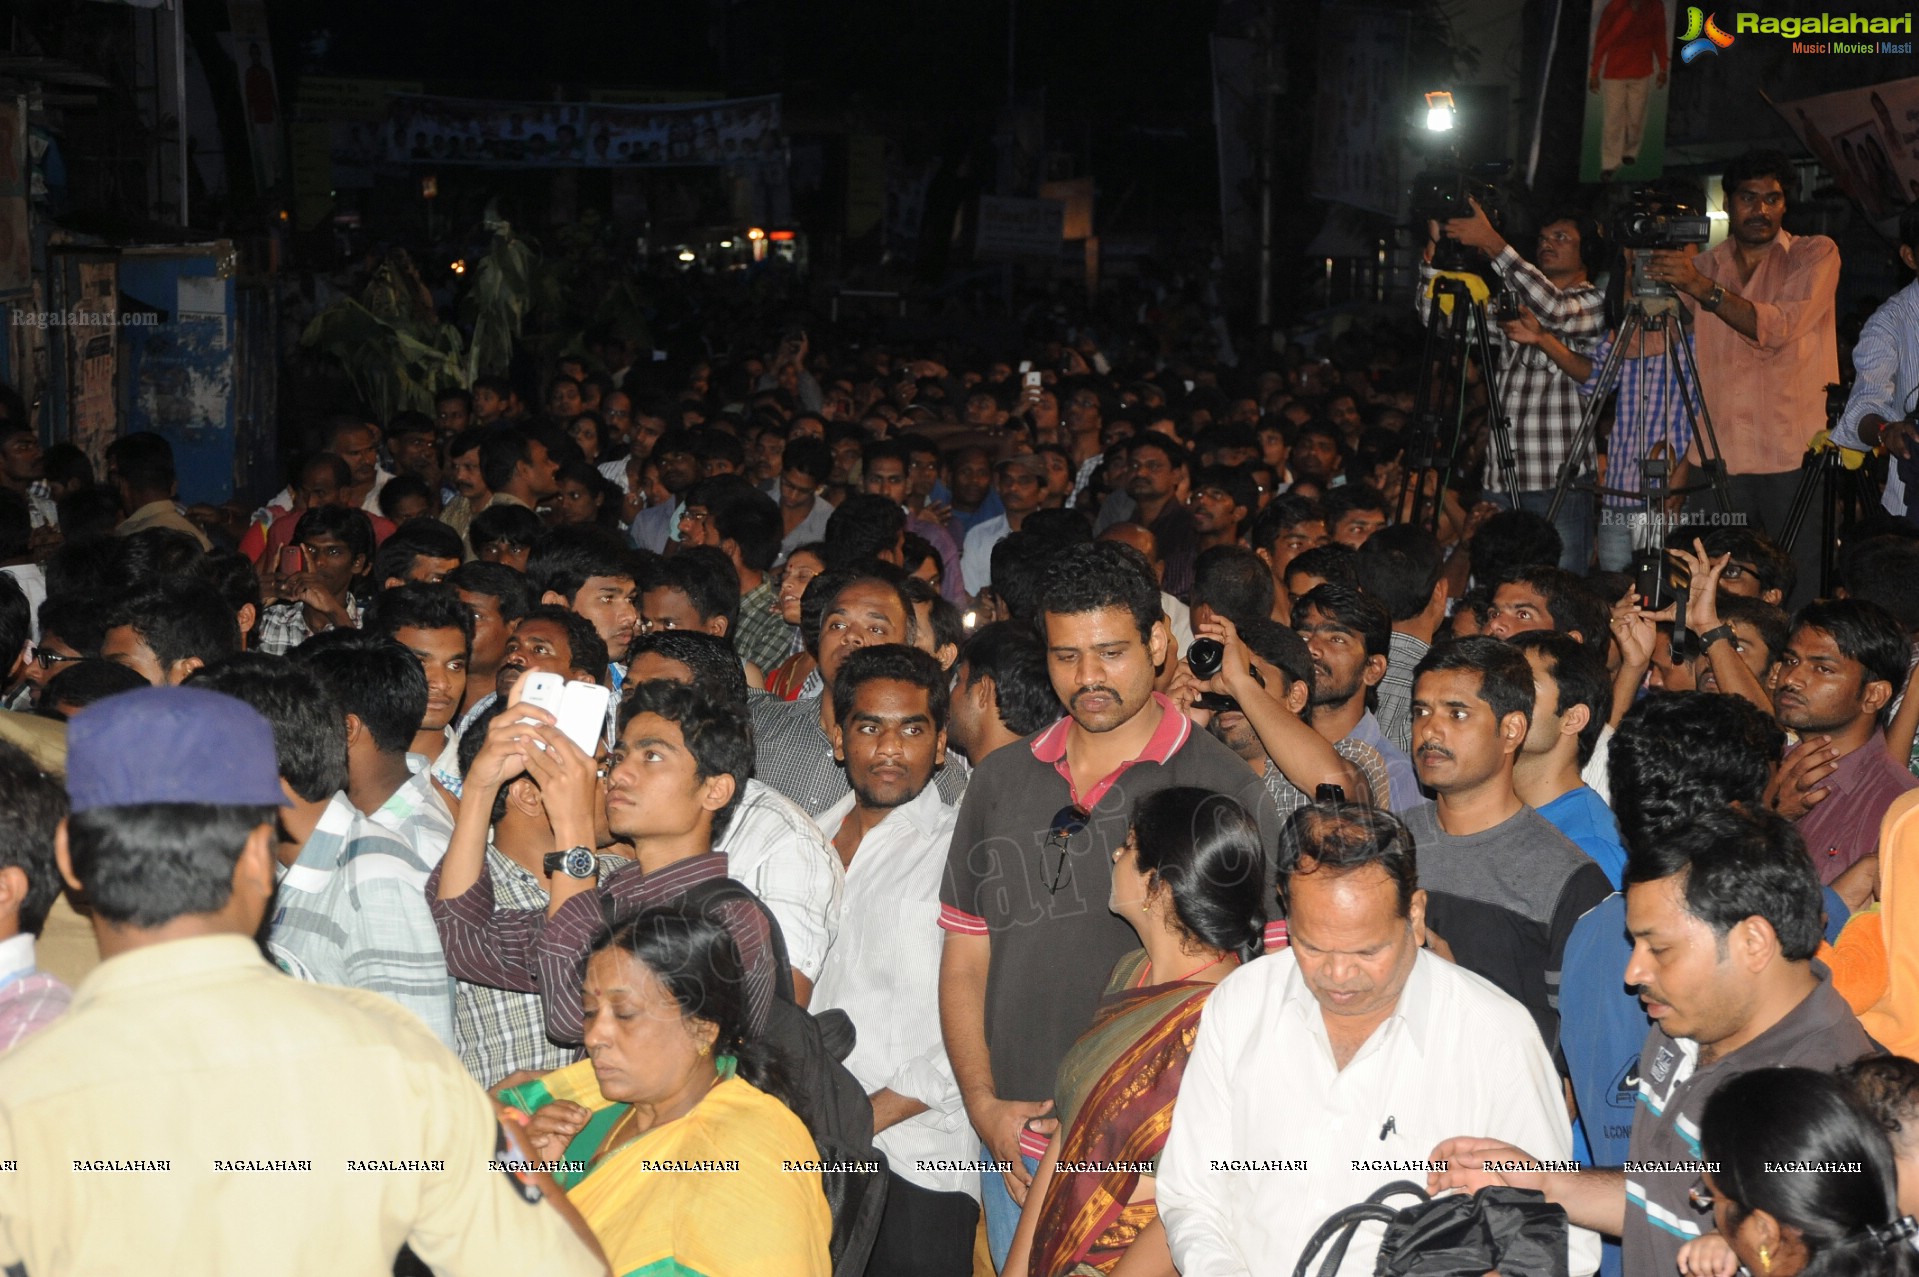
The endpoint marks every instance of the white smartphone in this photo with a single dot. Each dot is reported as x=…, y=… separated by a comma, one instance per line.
x=580, y=708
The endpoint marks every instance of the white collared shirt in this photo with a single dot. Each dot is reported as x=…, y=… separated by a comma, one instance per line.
x=1457, y=1057
x=884, y=973
x=773, y=847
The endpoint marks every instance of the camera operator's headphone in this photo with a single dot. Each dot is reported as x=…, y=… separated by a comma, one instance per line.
x=1595, y=250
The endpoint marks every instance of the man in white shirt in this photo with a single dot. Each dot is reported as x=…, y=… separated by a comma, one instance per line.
x=892, y=833
x=1383, y=1046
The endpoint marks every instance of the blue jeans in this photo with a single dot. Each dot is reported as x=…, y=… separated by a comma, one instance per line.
x=1614, y=536
x=1575, y=521
x=1002, y=1212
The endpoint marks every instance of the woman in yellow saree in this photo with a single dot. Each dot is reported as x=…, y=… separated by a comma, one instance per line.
x=1190, y=881
x=673, y=1142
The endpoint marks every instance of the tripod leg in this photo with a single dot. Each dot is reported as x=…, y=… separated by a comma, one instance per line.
x=1609, y=373
x=1704, y=437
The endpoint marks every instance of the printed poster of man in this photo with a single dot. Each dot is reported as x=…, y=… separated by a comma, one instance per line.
x=1868, y=140
x=1628, y=69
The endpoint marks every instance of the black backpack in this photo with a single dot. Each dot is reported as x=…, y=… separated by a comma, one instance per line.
x=827, y=1097
x=1508, y=1230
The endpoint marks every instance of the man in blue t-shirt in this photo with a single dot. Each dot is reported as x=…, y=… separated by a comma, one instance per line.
x=1571, y=697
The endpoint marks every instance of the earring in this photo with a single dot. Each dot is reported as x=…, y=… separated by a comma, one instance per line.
x=1765, y=1260
x=705, y=1050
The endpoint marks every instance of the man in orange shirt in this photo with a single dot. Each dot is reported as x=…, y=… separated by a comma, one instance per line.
x=1631, y=36
x=1766, y=343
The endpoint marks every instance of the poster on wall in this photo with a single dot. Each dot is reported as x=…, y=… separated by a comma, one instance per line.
x=1628, y=79
x=92, y=363
x=1868, y=140
x=1362, y=81
x=16, y=239
x=251, y=48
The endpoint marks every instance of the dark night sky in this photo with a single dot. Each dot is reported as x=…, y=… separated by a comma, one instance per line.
x=1115, y=61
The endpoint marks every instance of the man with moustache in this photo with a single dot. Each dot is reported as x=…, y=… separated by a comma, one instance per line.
x=1767, y=341
x=1027, y=936
x=891, y=833
x=1724, y=914
x=1843, y=664
x=1505, y=886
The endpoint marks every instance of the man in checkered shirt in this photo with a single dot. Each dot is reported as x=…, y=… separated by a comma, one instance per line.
x=1542, y=402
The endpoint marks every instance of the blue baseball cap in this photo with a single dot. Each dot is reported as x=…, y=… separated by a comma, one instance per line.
x=172, y=745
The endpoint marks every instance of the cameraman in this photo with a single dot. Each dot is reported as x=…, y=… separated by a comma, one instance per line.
x=1542, y=401
x=1886, y=376
x=1648, y=411
x=1770, y=346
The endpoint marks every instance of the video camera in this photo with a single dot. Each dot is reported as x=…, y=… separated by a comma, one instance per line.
x=1659, y=219
x=1440, y=195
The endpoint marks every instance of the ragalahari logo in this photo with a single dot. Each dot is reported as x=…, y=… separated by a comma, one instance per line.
x=1702, y=36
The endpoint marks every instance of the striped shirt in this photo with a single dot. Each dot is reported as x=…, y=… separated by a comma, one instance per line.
x=763, y=636
x=501, y=1031
x=1289, y=797
x=418, y=814
x=30, y=999
x=526, y=951
x=353, y=911
x=1673, y=1087
x=1886, y=382
x=1543, y=402
x=1649, y=409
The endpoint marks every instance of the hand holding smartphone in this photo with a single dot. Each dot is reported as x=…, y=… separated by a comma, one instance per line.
x=579, y=708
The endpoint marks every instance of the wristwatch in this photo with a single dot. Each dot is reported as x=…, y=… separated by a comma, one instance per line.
x=574, y=862
x=1711, y=301
x=1713, y=635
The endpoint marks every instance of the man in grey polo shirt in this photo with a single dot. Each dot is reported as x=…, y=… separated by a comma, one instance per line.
x=1029, y=940
x=1725, y=915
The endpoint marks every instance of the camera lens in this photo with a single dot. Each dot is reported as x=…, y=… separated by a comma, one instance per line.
x=1205, y=657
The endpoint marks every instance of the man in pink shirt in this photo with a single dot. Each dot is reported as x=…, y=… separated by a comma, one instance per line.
x=1767, y=345
x=1632, y=35
x=31, y=809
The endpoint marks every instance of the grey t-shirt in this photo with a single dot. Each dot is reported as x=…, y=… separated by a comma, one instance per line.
x=1505, y=900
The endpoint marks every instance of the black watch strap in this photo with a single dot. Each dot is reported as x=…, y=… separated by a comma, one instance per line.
x=582, y=858
x=1713, y=635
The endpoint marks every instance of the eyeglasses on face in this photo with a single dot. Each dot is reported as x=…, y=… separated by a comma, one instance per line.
x=1067, y=821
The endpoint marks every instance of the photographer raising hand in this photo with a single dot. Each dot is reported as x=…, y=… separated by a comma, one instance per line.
x=1769, y=351
x=1542, y=401
x=1886, y=376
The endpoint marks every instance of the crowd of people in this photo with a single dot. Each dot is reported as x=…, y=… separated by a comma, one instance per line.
x=874, y=810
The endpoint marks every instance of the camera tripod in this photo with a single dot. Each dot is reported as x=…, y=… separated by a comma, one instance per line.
x=1847, y=491
x=1456, y=329
x=1659, y=314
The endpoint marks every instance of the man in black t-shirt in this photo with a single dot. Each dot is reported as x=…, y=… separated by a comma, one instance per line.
x=1029, y=941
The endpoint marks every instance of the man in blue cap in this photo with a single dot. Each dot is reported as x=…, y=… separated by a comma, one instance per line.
x=328, y=1124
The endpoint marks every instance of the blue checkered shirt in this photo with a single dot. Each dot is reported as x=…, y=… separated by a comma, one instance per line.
x=1648, y=409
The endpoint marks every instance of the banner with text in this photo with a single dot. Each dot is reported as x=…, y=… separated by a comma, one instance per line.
x=441, y=130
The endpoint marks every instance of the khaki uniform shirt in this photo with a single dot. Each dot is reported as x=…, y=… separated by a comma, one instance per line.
x=161, y=514
x=198, y=1109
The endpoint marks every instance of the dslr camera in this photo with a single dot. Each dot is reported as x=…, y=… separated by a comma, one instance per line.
x=1206, y=658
